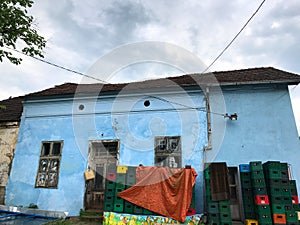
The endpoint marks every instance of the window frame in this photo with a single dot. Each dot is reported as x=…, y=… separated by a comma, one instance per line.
x=168, y=151
x=49, y=169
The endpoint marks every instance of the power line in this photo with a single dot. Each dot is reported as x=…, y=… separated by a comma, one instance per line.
x=235, y=37
x=58, y=66
x=91, y=77
x=186, y=106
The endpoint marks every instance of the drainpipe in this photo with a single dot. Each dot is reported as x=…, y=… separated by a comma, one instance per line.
x=208, y=115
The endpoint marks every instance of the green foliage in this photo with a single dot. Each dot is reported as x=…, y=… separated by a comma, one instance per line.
x=32, y=206
x=16, y=29
x=2, y=107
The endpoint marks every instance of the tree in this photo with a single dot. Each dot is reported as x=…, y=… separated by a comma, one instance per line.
x=16, y=31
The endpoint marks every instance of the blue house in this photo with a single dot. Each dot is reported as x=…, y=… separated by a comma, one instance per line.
x=230, y=116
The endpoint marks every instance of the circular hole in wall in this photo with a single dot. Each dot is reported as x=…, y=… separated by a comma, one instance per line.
x=81, y=107
x=147, y=103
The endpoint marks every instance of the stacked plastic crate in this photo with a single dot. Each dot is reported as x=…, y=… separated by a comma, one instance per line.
x=117, y=180
x=247, y=194
x=282, y=193
x=261, y=198
x=218, y=211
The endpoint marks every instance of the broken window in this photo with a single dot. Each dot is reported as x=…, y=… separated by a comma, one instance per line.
x=168, y=151
x=48, y=171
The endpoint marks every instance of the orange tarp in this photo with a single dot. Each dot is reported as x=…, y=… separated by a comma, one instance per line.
x=166, y=191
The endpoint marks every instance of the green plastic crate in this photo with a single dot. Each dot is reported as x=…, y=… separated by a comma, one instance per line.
x=264, y=218
x=259, y=191
x=296, y=207
x=291, y=216
x=109, y=199
x=256, y=165
x=276, y=199
x=225, y=217
x=108, y=206
x=249, y=207
x=274, y=183
x=247, y=191
x=275, y=191
x=137, y=209
x=278, y=209
x=110, y=192
x=213, y=207
x=273, y=174
x=284, y=167
x=246, y=183
x=224, y=206
x=118, y=207
x=293, y=187
x=110, y=184
x=263, y=210
x=207, y=173
x=286, y=191
x=147, y=212
x=286, y=200
x=288, y=207
x=257, y=174
x=213, y=218
x=128, y=207
x=118, y=200
x=250, y=214
x=258, y=183
x=272, y=165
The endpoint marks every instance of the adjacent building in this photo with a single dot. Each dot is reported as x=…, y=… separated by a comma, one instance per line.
x=10, y=114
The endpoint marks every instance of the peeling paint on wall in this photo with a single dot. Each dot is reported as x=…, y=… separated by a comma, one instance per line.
x=8, y=139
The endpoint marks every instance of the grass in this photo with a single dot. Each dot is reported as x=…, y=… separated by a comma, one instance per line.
x=72, y=221
x=83, y=219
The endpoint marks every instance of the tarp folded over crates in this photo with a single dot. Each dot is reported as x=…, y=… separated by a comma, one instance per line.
x=166, y=191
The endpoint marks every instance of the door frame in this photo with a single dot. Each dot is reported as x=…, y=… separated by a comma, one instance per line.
x=90, y=191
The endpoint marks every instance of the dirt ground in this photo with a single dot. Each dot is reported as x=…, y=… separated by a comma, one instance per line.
x=75, y=220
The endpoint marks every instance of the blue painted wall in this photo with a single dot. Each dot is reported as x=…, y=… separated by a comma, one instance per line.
x=123, y=117
x=265, y=129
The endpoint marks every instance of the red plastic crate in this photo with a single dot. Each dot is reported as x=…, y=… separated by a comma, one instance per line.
x=279, y=219
x=190, y=212
x=295, y=199
x=111, y=176
x=262, y=200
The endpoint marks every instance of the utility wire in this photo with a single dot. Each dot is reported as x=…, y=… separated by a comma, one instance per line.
x=58, y=66
x=186, y=106
x=235, y=37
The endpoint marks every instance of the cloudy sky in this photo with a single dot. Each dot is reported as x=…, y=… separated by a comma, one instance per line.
x=78, y=33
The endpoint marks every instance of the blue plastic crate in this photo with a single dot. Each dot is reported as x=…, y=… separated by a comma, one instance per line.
x=244, y=168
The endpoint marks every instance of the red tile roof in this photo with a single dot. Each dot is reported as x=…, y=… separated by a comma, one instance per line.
x=263, y=75
x=12, y=111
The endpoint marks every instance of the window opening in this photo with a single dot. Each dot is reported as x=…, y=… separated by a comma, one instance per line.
x=49, y=163
x=168, y=151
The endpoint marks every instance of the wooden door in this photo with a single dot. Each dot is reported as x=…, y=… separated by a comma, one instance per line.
x=102, y=154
